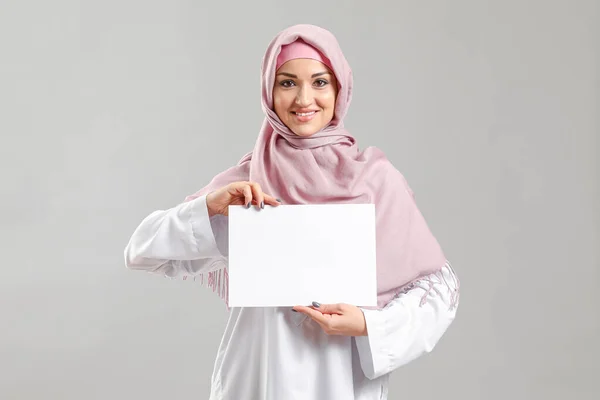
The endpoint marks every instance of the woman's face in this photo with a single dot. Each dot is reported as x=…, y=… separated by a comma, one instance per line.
x=304, y=95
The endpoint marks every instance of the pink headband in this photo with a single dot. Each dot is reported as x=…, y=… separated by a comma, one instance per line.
x=300, y=49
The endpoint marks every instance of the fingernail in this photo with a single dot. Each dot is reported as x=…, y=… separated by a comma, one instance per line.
x=262, y=204
x=294, y=310
x=248, y=205
x=278, y=200
x=316, y=305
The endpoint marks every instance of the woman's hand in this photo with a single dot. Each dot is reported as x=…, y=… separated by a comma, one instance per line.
x=337, y=319
x=238, y=193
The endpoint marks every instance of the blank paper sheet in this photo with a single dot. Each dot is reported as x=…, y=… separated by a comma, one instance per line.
x=296, y=254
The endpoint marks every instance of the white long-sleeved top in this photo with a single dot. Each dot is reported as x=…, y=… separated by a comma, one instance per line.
x=277, y=354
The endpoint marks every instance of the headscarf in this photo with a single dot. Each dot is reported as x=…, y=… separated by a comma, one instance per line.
x=328, y=167
x=300, y=49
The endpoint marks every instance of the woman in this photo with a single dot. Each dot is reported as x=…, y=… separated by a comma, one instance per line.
x=304, y=155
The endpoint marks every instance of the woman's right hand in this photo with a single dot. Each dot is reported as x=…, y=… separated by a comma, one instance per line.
x=238, y=193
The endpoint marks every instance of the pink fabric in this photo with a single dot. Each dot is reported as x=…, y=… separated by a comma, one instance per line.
x=328, y=167
x=300, y=49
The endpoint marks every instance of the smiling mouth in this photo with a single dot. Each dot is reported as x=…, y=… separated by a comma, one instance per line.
x=304, y=114
x=304, y=117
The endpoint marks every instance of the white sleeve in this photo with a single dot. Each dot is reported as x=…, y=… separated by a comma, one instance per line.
x=178, y=242
x=410, y=325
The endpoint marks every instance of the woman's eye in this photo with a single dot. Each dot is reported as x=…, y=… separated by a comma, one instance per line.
x=286, y=83
x=321, y=82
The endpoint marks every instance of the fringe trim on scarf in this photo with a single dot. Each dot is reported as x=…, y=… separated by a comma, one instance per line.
x=428, y=284
x=217, y=280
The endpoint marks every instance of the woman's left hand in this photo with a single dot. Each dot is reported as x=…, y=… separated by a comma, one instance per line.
x=337, y=319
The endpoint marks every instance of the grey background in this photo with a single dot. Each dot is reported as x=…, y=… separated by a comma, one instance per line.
x=112, y=109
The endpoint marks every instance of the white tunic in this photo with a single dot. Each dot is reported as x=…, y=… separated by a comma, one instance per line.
x=278, y=354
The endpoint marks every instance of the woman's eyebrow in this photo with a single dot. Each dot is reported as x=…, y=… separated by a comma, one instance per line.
x=320, y=73
x=294, y=76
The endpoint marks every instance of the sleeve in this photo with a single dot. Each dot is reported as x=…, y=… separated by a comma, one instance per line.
x=410, y=325
x=178, y=242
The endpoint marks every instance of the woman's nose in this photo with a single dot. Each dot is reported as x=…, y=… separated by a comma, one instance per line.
x=304, y=97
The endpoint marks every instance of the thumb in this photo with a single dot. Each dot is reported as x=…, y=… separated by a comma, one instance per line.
x=328, y=308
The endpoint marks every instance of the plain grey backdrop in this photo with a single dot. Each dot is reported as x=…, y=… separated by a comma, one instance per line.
x=110, y=110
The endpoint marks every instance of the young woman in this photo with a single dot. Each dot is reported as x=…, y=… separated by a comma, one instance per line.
x=304, y=155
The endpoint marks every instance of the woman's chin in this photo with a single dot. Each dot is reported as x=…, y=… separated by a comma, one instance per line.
x=304, y=131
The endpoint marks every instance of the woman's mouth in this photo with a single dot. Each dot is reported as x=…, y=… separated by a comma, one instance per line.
x=304, y=116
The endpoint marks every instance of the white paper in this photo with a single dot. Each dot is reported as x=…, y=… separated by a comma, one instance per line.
x=296, y=254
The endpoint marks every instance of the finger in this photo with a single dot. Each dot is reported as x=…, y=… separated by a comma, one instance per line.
x=314, y=314
x=329, y=308
x=258, y=195
x=272, y=201
x=247, y=191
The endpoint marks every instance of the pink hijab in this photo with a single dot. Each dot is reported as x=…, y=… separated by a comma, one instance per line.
x=328, y=167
